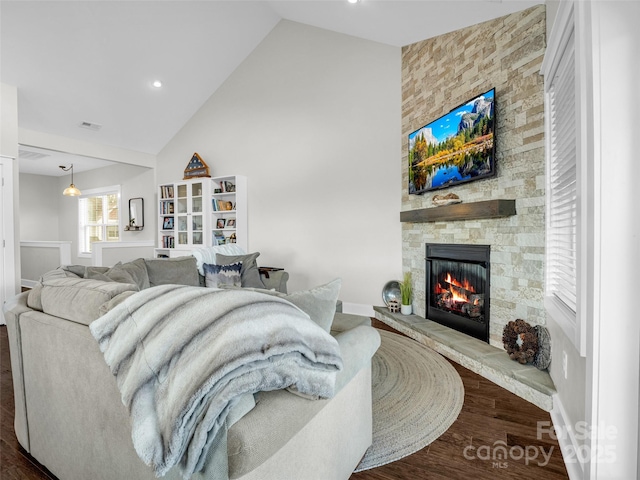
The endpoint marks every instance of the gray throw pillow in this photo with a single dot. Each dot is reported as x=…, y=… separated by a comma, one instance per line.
x=113, y=274
x=138, y=271
x=75, y=269
x=119, y=273
x=166, y=271
x=96, y=273
x=319, y=302
x=218, y=276
x=250, y=275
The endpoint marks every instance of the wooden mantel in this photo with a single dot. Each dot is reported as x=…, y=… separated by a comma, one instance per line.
x=461, y=211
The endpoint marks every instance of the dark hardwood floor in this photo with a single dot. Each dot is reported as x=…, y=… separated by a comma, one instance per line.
x=490, y=414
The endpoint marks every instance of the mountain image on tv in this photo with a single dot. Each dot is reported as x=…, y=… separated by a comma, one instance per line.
x=457, y=147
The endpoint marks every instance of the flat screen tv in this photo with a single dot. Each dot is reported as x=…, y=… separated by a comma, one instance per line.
x=456, y=148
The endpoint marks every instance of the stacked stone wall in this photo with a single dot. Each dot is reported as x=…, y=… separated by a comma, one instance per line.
x=439, y=74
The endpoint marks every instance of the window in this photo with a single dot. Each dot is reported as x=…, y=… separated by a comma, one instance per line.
x=566, y=111
x=99, y=218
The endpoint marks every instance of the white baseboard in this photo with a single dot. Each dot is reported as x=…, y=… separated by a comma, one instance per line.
x=358, y=309
x=567, y=440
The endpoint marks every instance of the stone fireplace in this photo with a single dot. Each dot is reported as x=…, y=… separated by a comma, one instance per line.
x=458, y=287
x=506, y=212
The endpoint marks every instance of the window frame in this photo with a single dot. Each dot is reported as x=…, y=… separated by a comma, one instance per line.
x=97, y=192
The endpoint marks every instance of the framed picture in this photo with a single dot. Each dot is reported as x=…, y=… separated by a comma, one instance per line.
x=167, y=223
x=220, y=223
x=231, y=223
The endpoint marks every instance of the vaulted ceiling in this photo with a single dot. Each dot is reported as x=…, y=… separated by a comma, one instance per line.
x=93, y=62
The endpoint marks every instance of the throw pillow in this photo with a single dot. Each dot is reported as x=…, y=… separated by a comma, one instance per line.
x=166, y=271
x=96, y=273
x=75, y=269
x=222, y=275
x=138, y=271
x=249, y=275
x=113, y=274
x=319, y=302
x=208, y=254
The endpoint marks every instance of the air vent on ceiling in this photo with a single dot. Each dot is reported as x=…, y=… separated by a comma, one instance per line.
x=91, y=126
x=25, y=155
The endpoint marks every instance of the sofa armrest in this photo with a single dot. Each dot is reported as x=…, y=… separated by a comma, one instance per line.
x=276, y=280
x=357, y=346
x=12, y=309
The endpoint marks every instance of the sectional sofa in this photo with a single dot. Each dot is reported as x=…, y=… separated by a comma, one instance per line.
x=69, y=414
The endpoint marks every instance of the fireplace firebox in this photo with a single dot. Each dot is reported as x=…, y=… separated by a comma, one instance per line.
x=458, y=287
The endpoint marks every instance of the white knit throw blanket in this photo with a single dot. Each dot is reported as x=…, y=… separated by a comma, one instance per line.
x=183, y=356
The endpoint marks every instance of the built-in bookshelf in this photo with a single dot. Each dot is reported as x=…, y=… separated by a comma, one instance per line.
x=201, y=212
x=229, y=211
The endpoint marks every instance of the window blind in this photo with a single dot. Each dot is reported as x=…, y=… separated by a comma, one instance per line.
x=562, y=181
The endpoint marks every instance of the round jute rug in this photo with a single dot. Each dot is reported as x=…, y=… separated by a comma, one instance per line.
x=417, y=395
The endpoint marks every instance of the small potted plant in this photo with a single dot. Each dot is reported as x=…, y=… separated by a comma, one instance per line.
x=406, y=291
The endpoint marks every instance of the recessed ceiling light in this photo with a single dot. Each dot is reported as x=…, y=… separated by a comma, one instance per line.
x=352, y=1
x=157, y=83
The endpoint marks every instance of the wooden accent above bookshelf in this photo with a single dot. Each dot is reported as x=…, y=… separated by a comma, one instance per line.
x=461, y=211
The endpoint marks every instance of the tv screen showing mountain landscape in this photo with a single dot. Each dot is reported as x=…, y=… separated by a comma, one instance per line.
x=458, y=147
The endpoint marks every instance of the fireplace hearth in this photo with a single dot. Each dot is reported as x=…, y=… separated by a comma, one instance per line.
x=457, y=287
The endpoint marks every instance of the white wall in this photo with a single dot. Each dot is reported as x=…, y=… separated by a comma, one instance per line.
x=8, y=121
x=312, y=118
x=39, y=198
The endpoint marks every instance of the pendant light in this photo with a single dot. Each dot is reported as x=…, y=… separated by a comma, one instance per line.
x=71, y=190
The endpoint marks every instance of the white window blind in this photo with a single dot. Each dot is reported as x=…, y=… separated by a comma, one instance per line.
x=562, y=181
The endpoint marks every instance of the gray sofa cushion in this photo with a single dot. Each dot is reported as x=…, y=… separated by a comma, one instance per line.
x=165, y=271
x=34, y=300
x=79, y=299
x=250, y=275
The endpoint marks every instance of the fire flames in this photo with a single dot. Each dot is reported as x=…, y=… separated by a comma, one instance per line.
x=457, y=294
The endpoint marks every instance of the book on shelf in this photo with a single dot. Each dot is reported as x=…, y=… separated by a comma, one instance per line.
x=166, y=191
x=166, y=207
x=168, y=241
